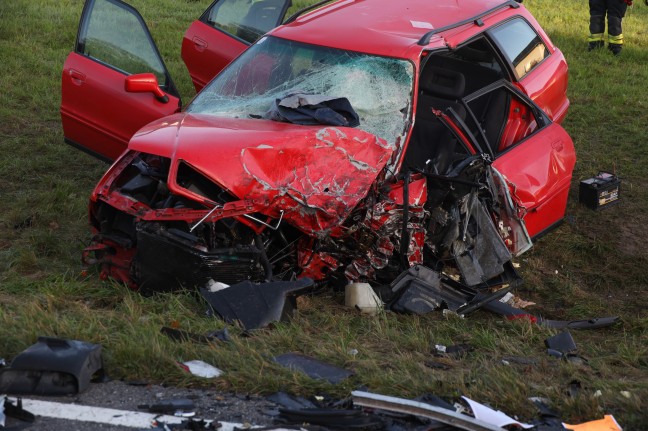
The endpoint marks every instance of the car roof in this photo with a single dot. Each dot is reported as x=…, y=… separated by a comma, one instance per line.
x=381, y=27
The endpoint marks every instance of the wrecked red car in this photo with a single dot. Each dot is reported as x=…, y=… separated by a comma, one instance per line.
x=353, y=141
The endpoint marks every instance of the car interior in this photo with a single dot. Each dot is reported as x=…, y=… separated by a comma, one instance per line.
x=447, y=78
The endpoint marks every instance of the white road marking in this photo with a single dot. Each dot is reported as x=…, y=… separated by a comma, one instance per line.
x=104, y=415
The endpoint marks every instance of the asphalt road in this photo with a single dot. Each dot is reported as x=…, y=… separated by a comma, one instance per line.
x=210, y=405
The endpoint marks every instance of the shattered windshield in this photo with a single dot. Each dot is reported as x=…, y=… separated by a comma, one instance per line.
x=378, y=88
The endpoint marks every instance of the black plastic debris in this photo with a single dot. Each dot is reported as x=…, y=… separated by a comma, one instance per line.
x=563, y=346
x=420, y=409
x=595, y=323
x=562, y=343
x=289, y=401
x=190, y=424
x=420, y=290
x=256, y=305
x=175, y=406
x=15, y=411
x=458, y=351
x=52, y=366
x=549, y=420
x=312, y=109
x=313, y=368
x=511, y=312
x=333, y=419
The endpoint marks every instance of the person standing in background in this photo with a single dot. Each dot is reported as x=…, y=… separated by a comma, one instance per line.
x=615, y=11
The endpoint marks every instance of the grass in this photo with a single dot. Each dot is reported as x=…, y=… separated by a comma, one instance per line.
x=595, y=264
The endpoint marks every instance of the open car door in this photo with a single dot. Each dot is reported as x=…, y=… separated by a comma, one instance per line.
x=114, y=82
x=535, y=155
x=225, y=30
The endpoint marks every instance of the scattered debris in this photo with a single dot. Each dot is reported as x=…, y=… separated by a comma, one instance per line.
x=201, y=369
x=290, y=401
x=346, y=419
x=560, y=344
x=16, y=411
x=363, y=297
x=313, y=368
x=549, y=419
x=454, y=351
x=419, y=290
x=563, y=346
x=183, y=407
x=608, y=423
x=492, y=416
x=440, y=414
x=52, y=366
x=513, y=313
x=256, y=305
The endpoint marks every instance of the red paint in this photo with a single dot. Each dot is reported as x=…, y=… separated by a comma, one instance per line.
x=206, y=51
x=315, y=178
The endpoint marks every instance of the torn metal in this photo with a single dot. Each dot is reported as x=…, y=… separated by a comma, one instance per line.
x=400, y=405
x=265, y=201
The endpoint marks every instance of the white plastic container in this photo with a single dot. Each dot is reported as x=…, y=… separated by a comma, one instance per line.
x=362, y=297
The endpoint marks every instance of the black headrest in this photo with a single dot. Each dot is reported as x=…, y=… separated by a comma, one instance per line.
x=444, y=83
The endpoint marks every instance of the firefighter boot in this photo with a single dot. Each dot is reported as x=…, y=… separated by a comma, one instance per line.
x=615, y=35
x=596, y=37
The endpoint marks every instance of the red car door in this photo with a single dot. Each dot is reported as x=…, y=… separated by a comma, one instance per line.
x=225, y=30
x=535, y=155
x=114, y=82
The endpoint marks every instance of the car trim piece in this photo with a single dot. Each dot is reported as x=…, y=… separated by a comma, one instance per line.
x=425, y=39
x=400, y=405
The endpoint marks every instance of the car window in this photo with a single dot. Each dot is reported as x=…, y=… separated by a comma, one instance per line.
x=378, y=88
x=246, y=19
x=520, y=44
x=103, y=38
x=500, y=119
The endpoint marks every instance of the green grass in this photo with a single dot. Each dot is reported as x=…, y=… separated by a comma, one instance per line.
x=595, y=264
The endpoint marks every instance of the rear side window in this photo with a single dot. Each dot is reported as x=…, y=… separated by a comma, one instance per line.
x=247, y=19
x=520, y=44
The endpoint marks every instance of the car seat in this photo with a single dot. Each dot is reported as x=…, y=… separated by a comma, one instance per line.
x=439, y=89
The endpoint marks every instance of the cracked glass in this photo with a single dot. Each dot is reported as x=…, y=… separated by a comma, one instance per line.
x=379, y=88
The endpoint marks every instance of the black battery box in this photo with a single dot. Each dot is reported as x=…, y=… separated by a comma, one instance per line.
x=600, y=191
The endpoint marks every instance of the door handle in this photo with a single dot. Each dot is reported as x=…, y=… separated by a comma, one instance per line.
x=77, y=77
x=557, y=145
x=199, y=43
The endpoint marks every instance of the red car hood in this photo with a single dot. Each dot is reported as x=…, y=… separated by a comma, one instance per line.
x=315, y=174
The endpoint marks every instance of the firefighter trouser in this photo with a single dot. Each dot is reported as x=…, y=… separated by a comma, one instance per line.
x=615, y=11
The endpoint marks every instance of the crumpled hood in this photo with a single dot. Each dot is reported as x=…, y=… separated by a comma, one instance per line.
x=315, y=174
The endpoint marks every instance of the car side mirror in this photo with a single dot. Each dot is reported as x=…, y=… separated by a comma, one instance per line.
x=145, y=83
